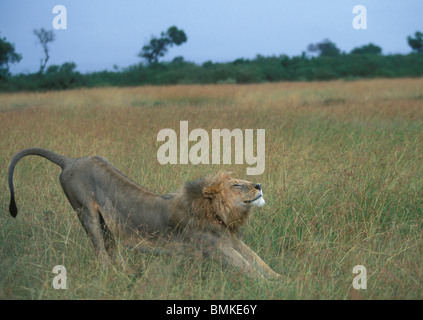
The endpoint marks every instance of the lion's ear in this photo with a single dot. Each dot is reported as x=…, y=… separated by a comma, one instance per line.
x=210, y=192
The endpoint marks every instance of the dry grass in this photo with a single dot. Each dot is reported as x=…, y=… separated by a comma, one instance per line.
x=343, y=184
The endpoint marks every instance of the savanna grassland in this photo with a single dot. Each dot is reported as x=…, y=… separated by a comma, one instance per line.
x=343, y=185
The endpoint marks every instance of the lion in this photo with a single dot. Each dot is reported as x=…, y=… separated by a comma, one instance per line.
x=204, y=215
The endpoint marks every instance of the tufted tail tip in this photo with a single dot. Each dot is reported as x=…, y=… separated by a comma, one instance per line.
x=12, y=207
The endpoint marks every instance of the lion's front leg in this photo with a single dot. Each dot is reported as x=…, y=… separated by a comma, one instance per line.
x=234, y=258
x=255, y=260
x=222, y=248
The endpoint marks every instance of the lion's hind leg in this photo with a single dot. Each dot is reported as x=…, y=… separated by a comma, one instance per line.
x=111, y=243
x=91, y=221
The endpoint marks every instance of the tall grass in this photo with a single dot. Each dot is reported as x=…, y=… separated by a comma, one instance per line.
x=343, y=185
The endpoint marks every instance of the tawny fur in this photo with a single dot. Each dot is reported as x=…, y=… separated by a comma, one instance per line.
x=205, y=214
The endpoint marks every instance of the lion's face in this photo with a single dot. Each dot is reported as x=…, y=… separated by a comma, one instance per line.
x=243, y=193
x=232, y=198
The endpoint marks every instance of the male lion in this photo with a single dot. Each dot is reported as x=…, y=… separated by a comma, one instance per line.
x=203, y=215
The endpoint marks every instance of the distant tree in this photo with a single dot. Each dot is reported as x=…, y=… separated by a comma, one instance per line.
x=158, y=47
x=367, y=49
x=207, y=64
x=7, y=56
x=326, y=48
x=44, y=38
x=67, y=68
x=416, y=43
x=178, y=60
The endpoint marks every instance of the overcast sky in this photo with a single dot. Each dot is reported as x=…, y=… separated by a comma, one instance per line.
x=103, y=33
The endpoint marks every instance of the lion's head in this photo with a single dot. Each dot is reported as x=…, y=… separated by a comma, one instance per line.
x=222, y=199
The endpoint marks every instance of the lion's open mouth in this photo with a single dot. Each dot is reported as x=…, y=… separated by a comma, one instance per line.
x=256, y=198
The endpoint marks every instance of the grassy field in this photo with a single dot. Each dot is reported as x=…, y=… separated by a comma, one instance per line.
x=343, y=184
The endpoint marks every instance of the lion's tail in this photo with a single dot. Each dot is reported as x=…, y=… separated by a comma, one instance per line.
x=58, y=159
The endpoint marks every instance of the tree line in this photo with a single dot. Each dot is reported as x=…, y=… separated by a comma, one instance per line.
x=325, y=61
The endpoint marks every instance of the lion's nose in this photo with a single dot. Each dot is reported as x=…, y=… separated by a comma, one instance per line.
x=257, y=186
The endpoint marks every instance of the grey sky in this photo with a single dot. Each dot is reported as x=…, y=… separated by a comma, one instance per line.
x=103, y=33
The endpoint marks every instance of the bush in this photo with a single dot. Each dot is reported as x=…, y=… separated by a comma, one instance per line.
x=365, y=62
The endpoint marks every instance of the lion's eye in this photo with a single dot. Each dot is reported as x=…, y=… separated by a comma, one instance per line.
x=237, y=185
